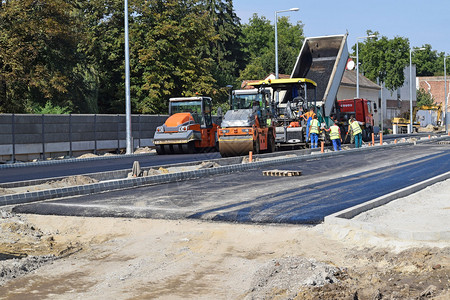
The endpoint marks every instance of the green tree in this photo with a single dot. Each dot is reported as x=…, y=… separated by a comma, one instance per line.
x=171, y=40
x=102, y=47
x=38, y=42
x=424, y=98
x=225, y=48
x=259, y=46
x=384, y=58
x=426, y=61
x=49, y=108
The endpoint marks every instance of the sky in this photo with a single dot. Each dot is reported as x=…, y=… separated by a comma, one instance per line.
x=422, y=22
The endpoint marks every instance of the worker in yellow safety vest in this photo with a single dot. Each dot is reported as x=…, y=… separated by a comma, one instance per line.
x=356, y=131
x=335, y=136
x=314, y=131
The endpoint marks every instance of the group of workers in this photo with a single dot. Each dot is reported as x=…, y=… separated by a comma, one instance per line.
x=312, y=131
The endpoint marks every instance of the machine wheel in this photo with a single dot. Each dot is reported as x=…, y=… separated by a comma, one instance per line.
x=170, y=149
x=367, y=134
x=160, y=149
x=178, y=148
x=256, y=148
x=188, y=147
x=271, y=147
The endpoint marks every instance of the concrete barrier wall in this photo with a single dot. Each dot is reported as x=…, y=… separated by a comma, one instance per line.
x=25, y=137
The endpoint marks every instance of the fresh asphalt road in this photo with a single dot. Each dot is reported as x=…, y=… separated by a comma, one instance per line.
x=104, y=164
x=327, y=185
x=97, y=165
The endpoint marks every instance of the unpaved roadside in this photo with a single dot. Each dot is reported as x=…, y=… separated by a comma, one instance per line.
x=161, y=259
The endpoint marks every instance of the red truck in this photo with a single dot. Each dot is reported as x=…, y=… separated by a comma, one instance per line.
x=361, y=109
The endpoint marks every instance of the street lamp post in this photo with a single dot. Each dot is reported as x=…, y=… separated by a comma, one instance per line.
x=444, y=119
x=411, y=89
x=127, y=83
x=357, y=62
x=276, y=37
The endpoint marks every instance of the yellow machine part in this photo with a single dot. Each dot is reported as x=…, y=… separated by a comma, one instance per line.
x=235, y=147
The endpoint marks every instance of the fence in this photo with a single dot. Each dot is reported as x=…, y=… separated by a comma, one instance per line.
x=26, y=137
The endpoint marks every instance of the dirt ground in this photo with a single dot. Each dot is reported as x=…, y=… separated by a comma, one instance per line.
x=98, y=258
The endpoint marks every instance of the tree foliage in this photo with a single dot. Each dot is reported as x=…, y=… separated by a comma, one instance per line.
x=384, y=58
x=38, y=42
x=424, y=98
x=71, y=53
x=426, y=61
x=259, y=46
x=49, y=108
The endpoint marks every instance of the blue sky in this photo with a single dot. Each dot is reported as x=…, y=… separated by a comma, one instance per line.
x=422, y=22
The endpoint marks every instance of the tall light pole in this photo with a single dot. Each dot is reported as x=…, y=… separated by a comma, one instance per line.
x=276, y=37
x=127, y=83
x=357, y=62
x=446, y=96
x=411, y=89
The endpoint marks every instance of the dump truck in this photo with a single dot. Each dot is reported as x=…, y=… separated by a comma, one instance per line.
x=247, y=125
x=189, y=127
x=322, y=59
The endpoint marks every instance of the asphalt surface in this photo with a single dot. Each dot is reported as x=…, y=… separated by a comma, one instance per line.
x=97, y=165
x=327, y=185
x=111, y=164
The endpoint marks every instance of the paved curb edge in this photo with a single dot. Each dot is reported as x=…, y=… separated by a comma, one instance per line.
x=344, y=217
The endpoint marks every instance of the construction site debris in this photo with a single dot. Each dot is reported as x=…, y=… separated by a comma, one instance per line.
x=283, y=277
x=14, y=268
x=144, y=150
x=208, y=164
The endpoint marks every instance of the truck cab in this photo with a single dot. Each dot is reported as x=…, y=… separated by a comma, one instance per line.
x=361, y=109
x=188, y=128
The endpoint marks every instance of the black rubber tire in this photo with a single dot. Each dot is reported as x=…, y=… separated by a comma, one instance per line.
x=170, y=149
x=160, y=149
x=271, y=147
x=256, y=149
x=188, y=148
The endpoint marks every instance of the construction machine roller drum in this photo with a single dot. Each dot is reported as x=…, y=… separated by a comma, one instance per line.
x=235, y=147
x=175, y=148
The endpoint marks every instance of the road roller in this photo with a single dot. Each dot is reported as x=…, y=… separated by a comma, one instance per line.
x=189, y=127
x=247, y=126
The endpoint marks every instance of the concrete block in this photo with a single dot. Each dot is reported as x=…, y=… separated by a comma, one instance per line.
x=28, y=148
x=107, y=144
x=57, y=147
x=85, y=145
x=6, y=149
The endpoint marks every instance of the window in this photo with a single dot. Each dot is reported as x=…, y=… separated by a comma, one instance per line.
x=193, y=107
x=246, y=101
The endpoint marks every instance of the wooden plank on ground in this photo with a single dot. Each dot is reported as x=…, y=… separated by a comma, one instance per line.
x=282, y=173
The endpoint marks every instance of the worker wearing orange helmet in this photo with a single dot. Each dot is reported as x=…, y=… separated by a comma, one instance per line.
x=314, y=131
x=308, y=116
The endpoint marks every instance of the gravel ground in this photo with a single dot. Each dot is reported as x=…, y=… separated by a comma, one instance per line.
x=93, y=258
